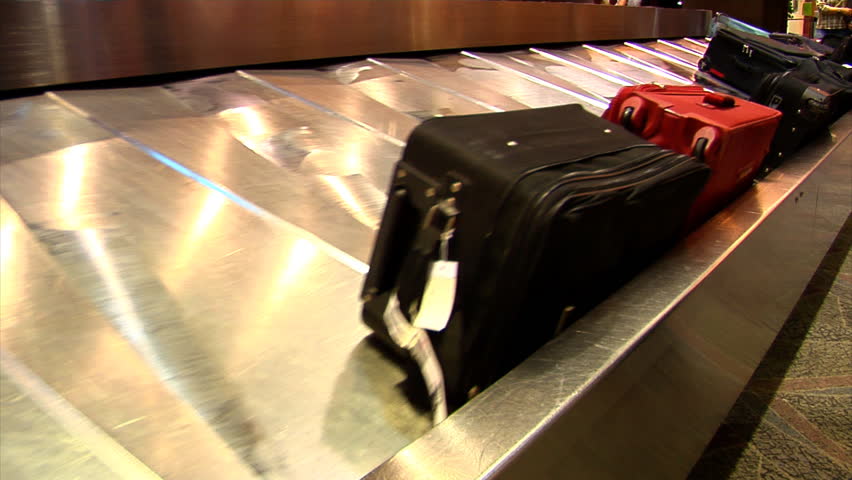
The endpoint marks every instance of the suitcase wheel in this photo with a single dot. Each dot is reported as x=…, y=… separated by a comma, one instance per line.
x=626, y=117
x=700, y=147
x=703, y=66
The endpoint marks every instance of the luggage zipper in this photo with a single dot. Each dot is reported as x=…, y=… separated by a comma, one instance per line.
x=534, y=233
x=535, y=236
x=520, y=275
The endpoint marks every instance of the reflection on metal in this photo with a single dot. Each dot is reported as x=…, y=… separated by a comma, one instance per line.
x=249, y=121
x=641, y=66
x=65, y=344
x=72, y=183
x=300, y=257
x=699, y=45
x=533, y=93
x=73, y=43
x=352, y=204
x=578, y=66
x=155, y=139
x=661, y=55
x=681, y=48
x=590, y=102
x=7, y=243
x=425, y=81
x=390, y=129
x=49, y=410
x=192, y=244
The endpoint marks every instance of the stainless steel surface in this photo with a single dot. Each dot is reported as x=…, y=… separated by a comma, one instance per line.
x=614, y=64
x=278, y=164
x=681, y=46
x=685, y=66
x=533, y=94
x=636, y=388
x=432, y=74
x=697, y=44
x=48, y=42
x=36, y=446
x=35, y=125
x=640, y=60
x=592, y=77
x=404, y=93
x=249, y=327
x=593, y=102
x=323, y=91
x=49, y=326
x=689, y=56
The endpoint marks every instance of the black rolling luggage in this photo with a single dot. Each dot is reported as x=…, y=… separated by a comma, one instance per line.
x=816, y=49
x=811, y=97
x=741, y=59
x=543, y=212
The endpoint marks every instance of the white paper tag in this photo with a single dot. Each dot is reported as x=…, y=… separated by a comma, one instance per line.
x=438, y=297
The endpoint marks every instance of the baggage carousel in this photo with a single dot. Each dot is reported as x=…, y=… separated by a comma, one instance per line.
x=182, y=263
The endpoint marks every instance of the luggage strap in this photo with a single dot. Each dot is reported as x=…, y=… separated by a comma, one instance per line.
x=416, y=342
x=435, y=306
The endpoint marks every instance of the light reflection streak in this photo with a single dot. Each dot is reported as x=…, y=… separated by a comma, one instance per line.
x=74, y=162
x=212, y=206
x=7, y=244
x=640, y=66
x=585, y=98
x=269, y=299
x=350, y=202
x=300, y=256
x=208, y=212
x=119, y=304
x=594, y=72
x=246, y=120
x=663, y=56
x=353, y=162
x=680, y=48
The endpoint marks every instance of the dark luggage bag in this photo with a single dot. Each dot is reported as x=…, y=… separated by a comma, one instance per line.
x=545, y=211
x=741, y=59
x=731, y=135
x=811, y=97
x=817, y=49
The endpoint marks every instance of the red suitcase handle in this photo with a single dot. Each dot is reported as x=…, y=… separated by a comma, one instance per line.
x=719, y=100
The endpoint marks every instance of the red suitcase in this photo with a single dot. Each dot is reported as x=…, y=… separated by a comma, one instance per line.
x=731, y=135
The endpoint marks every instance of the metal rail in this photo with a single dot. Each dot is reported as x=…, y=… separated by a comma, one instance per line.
x=49, y=42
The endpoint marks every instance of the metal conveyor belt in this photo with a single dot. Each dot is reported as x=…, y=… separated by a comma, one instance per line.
x=181, y=264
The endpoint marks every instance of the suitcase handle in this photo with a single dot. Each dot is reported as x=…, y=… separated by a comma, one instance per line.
x=386, y=261
x=396, y=241
x=719, y=100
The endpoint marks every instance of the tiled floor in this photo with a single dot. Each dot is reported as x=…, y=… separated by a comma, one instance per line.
x=794, y=419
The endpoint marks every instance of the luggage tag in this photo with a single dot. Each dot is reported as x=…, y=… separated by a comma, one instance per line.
x=439, y=296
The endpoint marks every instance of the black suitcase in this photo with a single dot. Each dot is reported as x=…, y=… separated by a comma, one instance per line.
x=741, y=59
x=548, y=211
x=843, y=53
x=811, y=97
x=712, y=83
x=816, y=49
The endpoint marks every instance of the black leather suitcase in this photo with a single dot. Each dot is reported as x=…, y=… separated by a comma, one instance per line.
x=810, y=97
x=543, y=212
x=742, y=59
